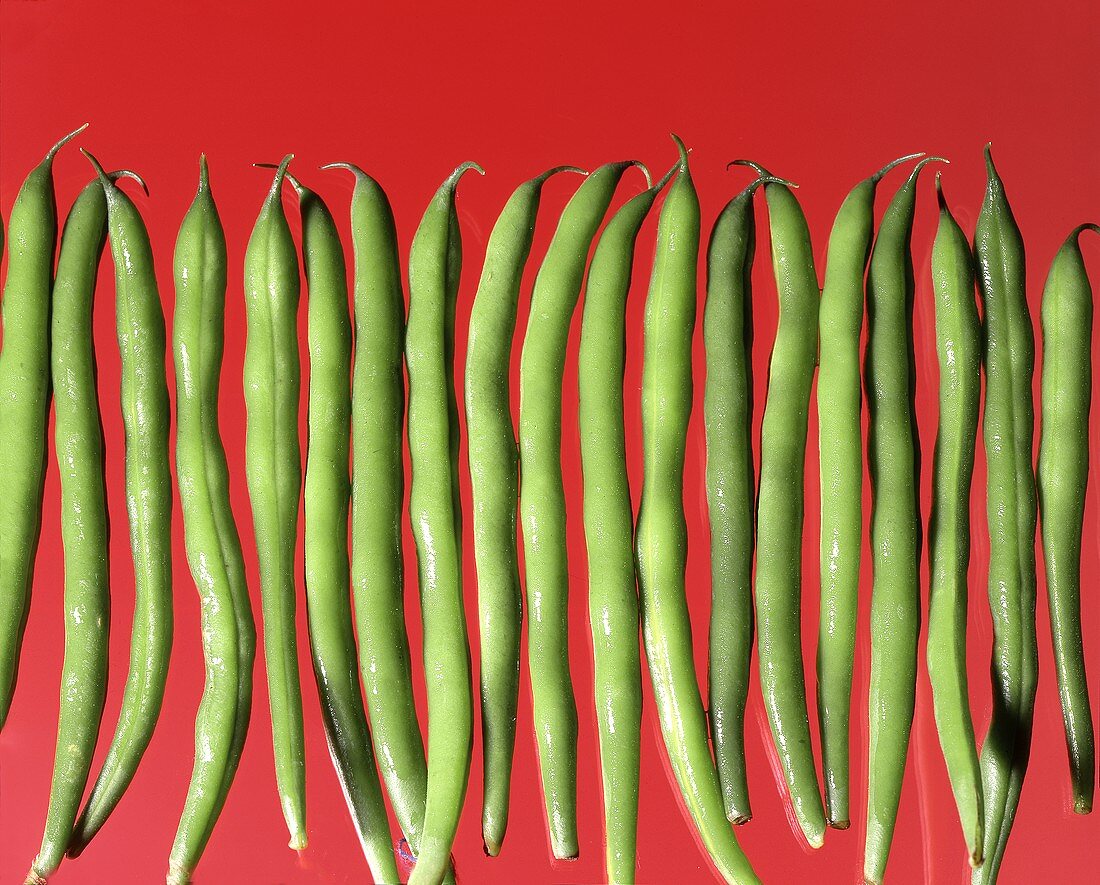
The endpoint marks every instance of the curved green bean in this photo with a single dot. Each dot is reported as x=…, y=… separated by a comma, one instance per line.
x=24, y=403
x=494, y=481
x=273, y=467
x=1008, y=429
x=146, y=418
x=893, y=459
x=731, y=484
x=78, y=438
x=958, y=337
x=542, y=499
x=609, y=528
x=210, y=533
x=661, y=536
x=781, y=505
x=435, y=263
x=1062, y=477
x=840, y=457
x=327, y=498
x=377, y=495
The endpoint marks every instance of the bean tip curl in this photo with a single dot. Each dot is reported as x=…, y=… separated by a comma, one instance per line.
x=878, y=176
x=52, y=152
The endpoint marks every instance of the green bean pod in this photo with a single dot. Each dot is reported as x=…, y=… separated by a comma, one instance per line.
x=326, y=503
x=273, y=467
x=494, y=479
x=893, y=458
x=79, y=444
x=609, y=529
x=377, y=496
x=661, y=538
x=958, y=342
x=1062, y=477
x=840, y=457
x=210, y=533
x=1008, y=429
x=781, y=505
x=24, y=403
x=146, y=418
x=435, y=263
x=542, y=499
x=731, y=485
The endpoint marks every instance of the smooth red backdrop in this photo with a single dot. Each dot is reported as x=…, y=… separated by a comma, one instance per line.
x=821, y=93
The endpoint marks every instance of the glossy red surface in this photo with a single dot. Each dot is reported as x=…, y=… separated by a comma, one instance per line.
x=822, y=93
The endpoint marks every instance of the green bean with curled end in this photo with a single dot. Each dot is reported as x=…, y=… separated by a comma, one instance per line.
x=273, y=469
x=1008, y=428
x=893, y=458
x=731, y=482
x=24, y=403
x=840, y=456
x=781, y=504
x=660, y=543
x=435, y=262
x=958, y=337
x=494, y=481
x=377, y=495
x=210, y=532
x=609, y=529
x=542, y=498
x=146, y=417
x=78, y=438
x=326, y=499
x=1062, y=477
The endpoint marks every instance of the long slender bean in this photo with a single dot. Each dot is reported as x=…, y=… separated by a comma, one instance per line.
x=435, y=262
x=609, y=528
x=781, y=505
x=1062, y=477
x=542, y=499
x=661, y=536
x=494, y=481
x=731, y=486
x=24, y=403
x=958, y=337
x=146, y=418
x=210, y=532
x=272, y=381
x=377, y=575
x=1008, y=428
x=893, y=458
x=79, y=444
x=327, y=498
x=840, y=457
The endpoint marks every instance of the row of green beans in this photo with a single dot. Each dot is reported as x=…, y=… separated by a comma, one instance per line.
x=350, y=499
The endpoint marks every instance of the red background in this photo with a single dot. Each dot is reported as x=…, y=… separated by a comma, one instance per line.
x=821, y=93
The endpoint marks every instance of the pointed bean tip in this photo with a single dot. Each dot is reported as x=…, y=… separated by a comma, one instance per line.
x=52, y=152
x=878, y=176
x=204, y=174
x=990, y=169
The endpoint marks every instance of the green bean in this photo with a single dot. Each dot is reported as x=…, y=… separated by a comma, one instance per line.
x=210, y=532
x=435, y=262
x=958, y=336
x=1008, y=428
x=79, y=445
x=1062, y=477
x=494, y=480
x=24, y=403
x=378, y=406
x=731, y=480
x=272, y=382
x=893, y=458
x=661, y=536
x=542, y=499
x=609, y=528
x=840, y=456
x=781, y=505
x=326, y=502
x=146, y=417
